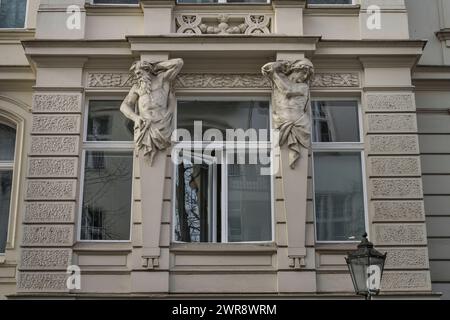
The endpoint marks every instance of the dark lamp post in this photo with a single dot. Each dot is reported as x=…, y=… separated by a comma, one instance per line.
x=366, y=267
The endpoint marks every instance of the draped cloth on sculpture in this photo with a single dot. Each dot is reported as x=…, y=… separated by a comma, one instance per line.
x=296, y=134
x=156, y=134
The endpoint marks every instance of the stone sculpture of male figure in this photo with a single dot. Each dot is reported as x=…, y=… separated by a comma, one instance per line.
x=290, y=103
x=155, y=101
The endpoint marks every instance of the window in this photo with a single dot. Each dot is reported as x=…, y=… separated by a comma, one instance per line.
x=339, y=195
x=115, y=1
x=330, y=1
x=223, y=1
x=12, y=13
x=108, y=168
x=222, y=194
x=7, y=149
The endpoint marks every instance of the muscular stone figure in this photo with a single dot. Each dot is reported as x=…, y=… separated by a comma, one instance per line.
x=155, y=104
x=290, y=103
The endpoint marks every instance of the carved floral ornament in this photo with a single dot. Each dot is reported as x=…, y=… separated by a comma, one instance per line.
x=223, y=24
x=223, y=81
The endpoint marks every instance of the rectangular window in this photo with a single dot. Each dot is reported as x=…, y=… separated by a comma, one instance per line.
x=12, y=13
x=115, y=1
x=7, y=149
x=223, y=1
x=221, y=193
x=339, y=197
x=108, y=173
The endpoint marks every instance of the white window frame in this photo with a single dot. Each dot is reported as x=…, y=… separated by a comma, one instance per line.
x=350, y=147
x=224, y=172
x=92, y=2
x=25, y=21
x=102, y=146
x=225, y=2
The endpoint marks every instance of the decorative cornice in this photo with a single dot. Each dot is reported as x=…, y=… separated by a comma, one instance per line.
x=443, y=34
x=222, y=80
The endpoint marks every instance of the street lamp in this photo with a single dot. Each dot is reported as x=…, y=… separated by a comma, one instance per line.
x=366, y=267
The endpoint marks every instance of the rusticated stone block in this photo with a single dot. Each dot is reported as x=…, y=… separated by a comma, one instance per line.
x=54, y=145
x=51, y=189
x=47, y=235
x=390, y=102
x=42, y=282
x=398, y=211
x=394, y=166
x=391, y=123
x=398, y=144
x=396, y=188
x=45, y=259
x=406, y=281
x=400, y=234
x=56, y=102
x=54, y=124
x=406, y=258
x=53, y=167
x=49, y=212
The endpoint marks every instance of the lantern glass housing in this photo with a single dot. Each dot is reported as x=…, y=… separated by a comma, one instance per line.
x=366, y=267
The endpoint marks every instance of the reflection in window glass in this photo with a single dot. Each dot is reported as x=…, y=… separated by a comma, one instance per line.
x=107, y=123
x=5, y=199
x=7, y=142
x=249, y=202
x=107, y=195
x=335, y=121
x=339, y=196
x=224, y=115
x=12, y=13
x=194, y=210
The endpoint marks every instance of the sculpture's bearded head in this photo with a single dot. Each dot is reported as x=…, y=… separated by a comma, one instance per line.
x=144, y=72
x=300, y=71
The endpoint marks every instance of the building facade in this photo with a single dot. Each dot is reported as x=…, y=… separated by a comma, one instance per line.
x=74, y=196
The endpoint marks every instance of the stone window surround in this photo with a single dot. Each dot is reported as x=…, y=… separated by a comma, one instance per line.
x=9, y=117
x=92, y=145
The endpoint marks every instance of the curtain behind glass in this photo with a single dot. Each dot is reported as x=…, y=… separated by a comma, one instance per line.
x=5, y=197
x=7, y=142
x=12, y=13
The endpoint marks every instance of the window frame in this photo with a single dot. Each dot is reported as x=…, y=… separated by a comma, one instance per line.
x=225, y=2
x=224, y=182
x=25, y=21
x=102, y=146
x=93, y=3
x=343, y=147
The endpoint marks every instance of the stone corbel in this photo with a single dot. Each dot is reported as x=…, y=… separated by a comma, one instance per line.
x=296, y=262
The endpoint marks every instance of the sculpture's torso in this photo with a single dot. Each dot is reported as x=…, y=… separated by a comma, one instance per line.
x=290, y=104
x=152, y=104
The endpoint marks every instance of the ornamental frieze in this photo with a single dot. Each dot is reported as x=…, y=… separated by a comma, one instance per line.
x=222, y=80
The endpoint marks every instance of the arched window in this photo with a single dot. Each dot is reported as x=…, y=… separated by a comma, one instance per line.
x=7, y=149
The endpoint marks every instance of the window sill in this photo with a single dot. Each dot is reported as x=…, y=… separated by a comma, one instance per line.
x=351, y=9
x=103, y=247
x=268, y=247
x=2, y=259
x=338, y=247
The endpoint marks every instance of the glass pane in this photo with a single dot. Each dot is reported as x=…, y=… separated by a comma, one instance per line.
x=339, y=196
x=5, y=197
x=335, y=121
x=117, y=1
x=7, y=142
x=107, y=123
x=107, y=196
x=249, y=202
x=222, y=115
x=195, y=207
x=12, y=13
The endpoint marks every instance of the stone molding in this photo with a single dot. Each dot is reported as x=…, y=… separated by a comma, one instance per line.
x=56, y=124
x=390, y=102
x=222, y=80
x=49, y=212
x=54, y=145
x=223, y=24
x=45, y=259
x=53, y=167
x=48, y=235
x=56, y=103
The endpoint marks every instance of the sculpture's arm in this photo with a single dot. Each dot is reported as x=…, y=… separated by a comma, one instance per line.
x=275, y=71
x=128, y=104
x=170, y=68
